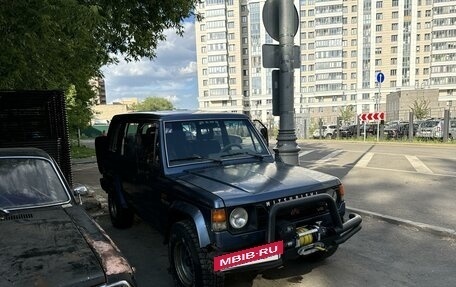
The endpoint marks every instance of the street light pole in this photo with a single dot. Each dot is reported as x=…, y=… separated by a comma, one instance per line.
x=281, y=21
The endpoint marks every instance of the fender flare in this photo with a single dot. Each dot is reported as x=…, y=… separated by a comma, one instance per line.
x=198, y=220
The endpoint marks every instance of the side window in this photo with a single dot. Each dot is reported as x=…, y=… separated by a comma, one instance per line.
x=149, y=148
x=129, y=139
x=116, y=137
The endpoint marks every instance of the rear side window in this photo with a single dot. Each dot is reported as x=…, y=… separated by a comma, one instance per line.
x=129, y=139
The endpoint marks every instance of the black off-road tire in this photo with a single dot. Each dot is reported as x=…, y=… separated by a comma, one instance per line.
x=190, y=265
x=321, y=255
x=121, y=217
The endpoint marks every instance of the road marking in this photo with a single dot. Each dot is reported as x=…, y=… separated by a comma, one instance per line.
x=364, y=161
x=328, y=157
x=303, y=153
x=418, y=165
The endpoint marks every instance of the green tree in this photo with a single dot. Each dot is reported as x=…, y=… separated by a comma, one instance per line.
x=53, y=44
x=153, y=104
x=347, y=113
x=420, y=108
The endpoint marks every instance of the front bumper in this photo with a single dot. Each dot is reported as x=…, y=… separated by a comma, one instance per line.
x=342, y=231
x=336, y=234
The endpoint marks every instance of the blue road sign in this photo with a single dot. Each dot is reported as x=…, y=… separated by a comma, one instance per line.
x=380, y=77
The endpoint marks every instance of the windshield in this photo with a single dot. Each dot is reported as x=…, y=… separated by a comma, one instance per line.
x=29, y=182
x=202, y=140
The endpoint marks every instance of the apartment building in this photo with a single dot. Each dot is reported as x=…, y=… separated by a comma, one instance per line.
x=344, y=45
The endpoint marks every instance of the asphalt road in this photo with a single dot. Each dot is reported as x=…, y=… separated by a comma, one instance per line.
x=402, y=186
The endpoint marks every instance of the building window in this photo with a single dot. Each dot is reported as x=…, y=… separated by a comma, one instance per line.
x=394, y=26
x=378, y=28
x=393, y=72
x=379, y=4
x=379, y=16
x=393, y=38
x=393, y=84
x=393, y=61
x=394, y=50
x=395, y=15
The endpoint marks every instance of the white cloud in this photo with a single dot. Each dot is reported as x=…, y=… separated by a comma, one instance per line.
x=189, y=69
x=172, y=74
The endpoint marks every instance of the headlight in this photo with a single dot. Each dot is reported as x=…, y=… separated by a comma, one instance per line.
x=238, y=217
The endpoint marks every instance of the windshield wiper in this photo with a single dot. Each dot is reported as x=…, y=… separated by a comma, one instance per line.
x=256, y=155
x=195, y=157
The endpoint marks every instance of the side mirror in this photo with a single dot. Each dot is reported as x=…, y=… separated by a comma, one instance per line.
x=80, y=190
x=263, y=130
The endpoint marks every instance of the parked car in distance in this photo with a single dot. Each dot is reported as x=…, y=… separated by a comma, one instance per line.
x=47, y=238
x=346, y=131
x=399, y=130
x=327, y=131
x=209, y=183
x=371, y=129
x=434, y=129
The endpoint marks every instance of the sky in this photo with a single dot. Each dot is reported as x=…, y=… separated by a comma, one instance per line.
x=172, y=74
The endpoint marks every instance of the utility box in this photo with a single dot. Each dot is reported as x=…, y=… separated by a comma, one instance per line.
x=37, y=119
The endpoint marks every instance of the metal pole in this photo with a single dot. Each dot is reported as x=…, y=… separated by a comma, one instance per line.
x=446, y=124
x=410, y=131
x=287, y=149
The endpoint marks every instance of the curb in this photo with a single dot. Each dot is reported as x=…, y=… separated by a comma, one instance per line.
x=84, y=160
x=399, y=221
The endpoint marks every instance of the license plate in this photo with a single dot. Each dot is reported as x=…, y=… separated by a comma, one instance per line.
x=264, y=253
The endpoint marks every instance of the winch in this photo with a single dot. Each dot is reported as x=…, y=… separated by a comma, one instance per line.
x=306, y=238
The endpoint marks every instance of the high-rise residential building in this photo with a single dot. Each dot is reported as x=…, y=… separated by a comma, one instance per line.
x=344, y=44
x=98, y=85
x=229, y=43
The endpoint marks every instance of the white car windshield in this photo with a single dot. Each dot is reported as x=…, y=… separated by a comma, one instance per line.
x=29, y=182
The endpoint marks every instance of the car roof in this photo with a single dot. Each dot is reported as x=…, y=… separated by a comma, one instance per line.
x=24, y=151
x=178, y=115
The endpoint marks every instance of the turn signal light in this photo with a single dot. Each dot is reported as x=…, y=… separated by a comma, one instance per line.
x=341, y=191
x=218, y=217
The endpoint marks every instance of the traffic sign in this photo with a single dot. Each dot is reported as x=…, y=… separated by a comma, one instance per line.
x=271, y=18
x=377, y=116
x=380, y=77
x=271, y=55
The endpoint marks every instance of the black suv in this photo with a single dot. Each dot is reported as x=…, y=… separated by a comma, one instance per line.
x=209, y=183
